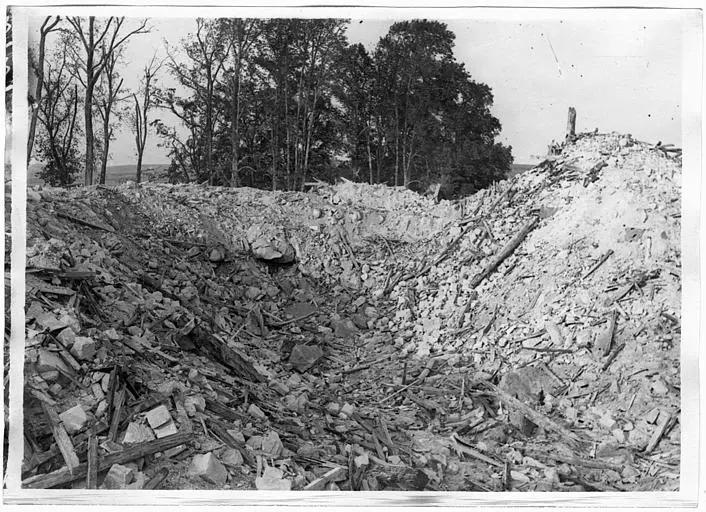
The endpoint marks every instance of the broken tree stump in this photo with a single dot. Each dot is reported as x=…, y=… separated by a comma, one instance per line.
x=571, y=124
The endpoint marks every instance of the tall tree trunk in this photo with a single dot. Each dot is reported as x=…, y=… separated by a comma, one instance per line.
x=288, y=144
x=138, y=174
x=106, y=146
x=370, y=157
x=307, y=146
x=209, y=128
x=379, y=150
x=408, y=162
x=300, y=121
x=139, y=127
x=37, y=96
x=88, y=122
x=45, y=29
x=405, y=177
x=397, y=148
x=235, y=129
x=274, y=156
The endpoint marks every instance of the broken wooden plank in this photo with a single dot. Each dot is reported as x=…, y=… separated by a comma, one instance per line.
x=463, y=446
x=612, y=356
x=367, y=365
x=156, y=480
x=86, y=223
x=283, y=323
x=63, y=441
x=336, y=474
x=600, y=262
x=80, y=443
x=117, y=410
x=92, y=462
x=573, y=460
x=224, y=412
x=64, y=476
x=537, y=418
x=506, y=251
x=657, y=435
x=221, y=432
x=66, y=355
x=34, y=283
x=233, y=359
x=605, y=342
x=386, y=436
x=112, y=385
x=185, y=423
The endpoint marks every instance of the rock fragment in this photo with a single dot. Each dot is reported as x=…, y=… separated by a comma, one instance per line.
x=74, y=419
x=118, y=477
x=304, y=357
x=208, y=467
x=272, y=479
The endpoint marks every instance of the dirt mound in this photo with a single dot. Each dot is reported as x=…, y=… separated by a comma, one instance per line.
x=361, y=337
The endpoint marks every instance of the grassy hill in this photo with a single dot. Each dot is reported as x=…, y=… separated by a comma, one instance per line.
x=114, y=173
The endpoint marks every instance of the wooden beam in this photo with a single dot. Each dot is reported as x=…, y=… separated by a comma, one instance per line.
x=63, y=441
x=505, y=252
x=63, y=476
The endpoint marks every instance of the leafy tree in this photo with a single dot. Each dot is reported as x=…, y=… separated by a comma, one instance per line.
x=198, y=74
x=436, y=119
x=354, y=90
x=242, y=36
x=273, y=103
x=298, y=57
x=58, y=170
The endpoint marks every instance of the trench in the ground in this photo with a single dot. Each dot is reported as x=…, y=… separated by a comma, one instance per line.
x=396, y=415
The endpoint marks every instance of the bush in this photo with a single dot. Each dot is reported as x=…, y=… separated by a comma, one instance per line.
x=58, y=170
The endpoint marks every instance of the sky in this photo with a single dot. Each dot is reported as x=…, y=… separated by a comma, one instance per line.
x=620, y=69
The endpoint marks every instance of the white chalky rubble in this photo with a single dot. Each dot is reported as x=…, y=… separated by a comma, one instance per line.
x=347, y=320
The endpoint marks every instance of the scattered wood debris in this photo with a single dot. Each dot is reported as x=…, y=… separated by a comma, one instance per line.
x=360, y=337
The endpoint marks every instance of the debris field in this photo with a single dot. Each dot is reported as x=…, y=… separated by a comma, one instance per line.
x=358, y=337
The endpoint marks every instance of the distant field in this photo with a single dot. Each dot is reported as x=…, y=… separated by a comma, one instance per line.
x=518, y=168
x=115, y=174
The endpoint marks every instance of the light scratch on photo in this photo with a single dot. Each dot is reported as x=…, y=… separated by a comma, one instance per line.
x=558, y=66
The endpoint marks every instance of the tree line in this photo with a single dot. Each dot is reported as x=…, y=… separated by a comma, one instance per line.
x=270, y=103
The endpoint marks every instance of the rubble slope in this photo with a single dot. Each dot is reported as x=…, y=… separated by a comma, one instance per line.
x=362, y=337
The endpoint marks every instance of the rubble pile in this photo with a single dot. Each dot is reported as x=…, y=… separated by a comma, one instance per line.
x=360, y=337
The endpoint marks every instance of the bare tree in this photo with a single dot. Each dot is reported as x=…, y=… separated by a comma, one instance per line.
x=98, y=44
x=47, y=27
x=106, y=100
x=139, y=119
x=57, y=112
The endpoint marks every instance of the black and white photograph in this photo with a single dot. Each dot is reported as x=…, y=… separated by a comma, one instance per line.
x=438, y=252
